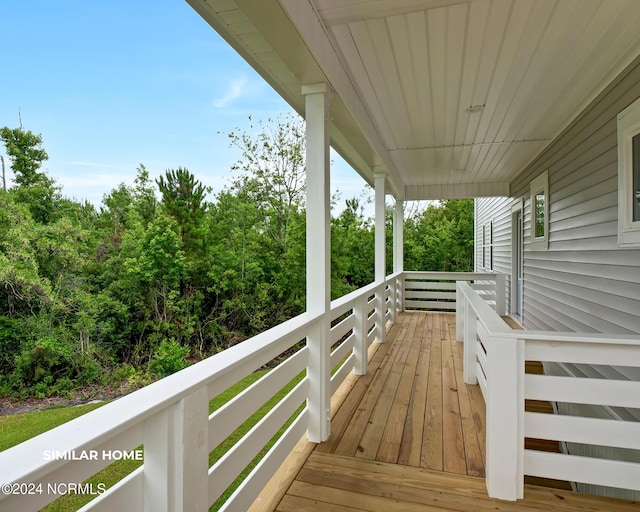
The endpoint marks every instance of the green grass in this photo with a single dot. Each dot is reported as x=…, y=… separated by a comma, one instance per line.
x=17, y=428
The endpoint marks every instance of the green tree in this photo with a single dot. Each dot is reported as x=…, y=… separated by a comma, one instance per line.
x=22, y=288
x=352, y=249
x=183, y=198
x=440, y=238
x=144, y=195
x=26, y=154
x=272, y=167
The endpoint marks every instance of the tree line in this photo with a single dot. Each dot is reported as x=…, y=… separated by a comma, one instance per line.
x=165, y=272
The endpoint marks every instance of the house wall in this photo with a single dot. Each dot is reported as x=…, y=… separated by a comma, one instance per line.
x=494, y=210
x=583, y=282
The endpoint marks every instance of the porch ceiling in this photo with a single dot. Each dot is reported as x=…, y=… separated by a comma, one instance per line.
x=453, y=98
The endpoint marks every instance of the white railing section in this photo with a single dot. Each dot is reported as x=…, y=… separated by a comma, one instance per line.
x=170, y=419
x=437, y=290
x=494, y=357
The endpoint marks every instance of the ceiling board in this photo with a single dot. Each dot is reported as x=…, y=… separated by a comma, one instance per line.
x=406, y=72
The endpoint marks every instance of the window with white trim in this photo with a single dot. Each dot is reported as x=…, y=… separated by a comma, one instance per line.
x=539, y=232
x=487, y=246
x=629, y=176
x=483, y=244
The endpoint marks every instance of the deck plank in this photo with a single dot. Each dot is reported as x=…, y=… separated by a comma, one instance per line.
x=414, y=409
x=349, y=406
x=371, y=485
x=391, y=441
x=357, y=424
x=431, y=456
x=374, y=430
x=452, y=437
x=411, y=444
x=471, y=437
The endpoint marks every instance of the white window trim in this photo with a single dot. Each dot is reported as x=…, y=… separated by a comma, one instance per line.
x=486, y=246
x=539, y=184
x=628, y=127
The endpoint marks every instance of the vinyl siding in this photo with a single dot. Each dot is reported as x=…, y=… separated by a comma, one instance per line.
x=583, y=282
x=492, y=210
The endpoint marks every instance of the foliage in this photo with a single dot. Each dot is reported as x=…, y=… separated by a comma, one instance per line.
x=164, y=270
x=440, y=238
x=169, y=357
x=26, y=154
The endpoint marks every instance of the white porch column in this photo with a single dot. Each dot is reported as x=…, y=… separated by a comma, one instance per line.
x=398, y=253
x=398, y=237
x=318, y=258
x=380, y=252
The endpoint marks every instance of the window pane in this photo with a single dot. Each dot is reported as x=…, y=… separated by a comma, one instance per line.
x=539, y=213
x=635, y=200
x=484, y=252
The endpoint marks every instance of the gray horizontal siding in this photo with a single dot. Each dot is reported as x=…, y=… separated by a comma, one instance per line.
x=583, y=282
x=493, y=209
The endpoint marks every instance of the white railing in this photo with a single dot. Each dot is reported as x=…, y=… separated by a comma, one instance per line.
x=494, y=358
x=170, y=419
x=437, y=290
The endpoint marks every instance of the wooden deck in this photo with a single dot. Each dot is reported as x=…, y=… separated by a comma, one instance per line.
x=409, y=435
x=413, y=408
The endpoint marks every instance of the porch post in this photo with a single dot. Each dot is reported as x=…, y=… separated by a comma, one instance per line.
x=501, y=294
x=505, y=418
x=380, y=252
x=398, y=253
x=398, y=237
x=318, y=258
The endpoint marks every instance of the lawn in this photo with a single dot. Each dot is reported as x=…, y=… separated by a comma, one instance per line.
x=17, y=428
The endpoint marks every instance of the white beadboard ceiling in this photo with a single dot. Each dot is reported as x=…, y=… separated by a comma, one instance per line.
x=452, y=98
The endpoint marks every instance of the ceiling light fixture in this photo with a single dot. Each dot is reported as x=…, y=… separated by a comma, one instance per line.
x=474, y=108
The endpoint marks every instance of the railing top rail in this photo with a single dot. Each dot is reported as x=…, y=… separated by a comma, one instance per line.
x=25, y=461
x=417, y=274
x=354, y=295
x=497, y=328
x=365, y=290
x=575, y=337
x=491, y=320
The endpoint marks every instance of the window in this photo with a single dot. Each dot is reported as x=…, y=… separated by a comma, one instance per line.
x=487, y=246
x=491, y=245
x=484, y=246
x=629, y=176
x=540, y=212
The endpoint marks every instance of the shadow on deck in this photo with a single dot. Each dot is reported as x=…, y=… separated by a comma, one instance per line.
x=408, y=434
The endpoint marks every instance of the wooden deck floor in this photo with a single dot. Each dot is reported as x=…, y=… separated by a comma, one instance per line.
x=410, y=435
x=413, y=407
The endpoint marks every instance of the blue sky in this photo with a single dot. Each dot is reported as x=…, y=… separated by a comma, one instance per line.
x=112, y=84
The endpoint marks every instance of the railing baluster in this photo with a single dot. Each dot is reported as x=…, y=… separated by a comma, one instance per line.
x=470, y=334
x=501, y=294
x=460, y=309
x=360, y=331
x=505, y=418
x=379, y=313
x=392, y=300
x=176, y=456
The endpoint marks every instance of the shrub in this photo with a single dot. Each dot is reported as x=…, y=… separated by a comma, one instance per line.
x=169, y=358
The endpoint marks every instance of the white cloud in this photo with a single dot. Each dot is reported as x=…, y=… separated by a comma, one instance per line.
x=235, y=89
